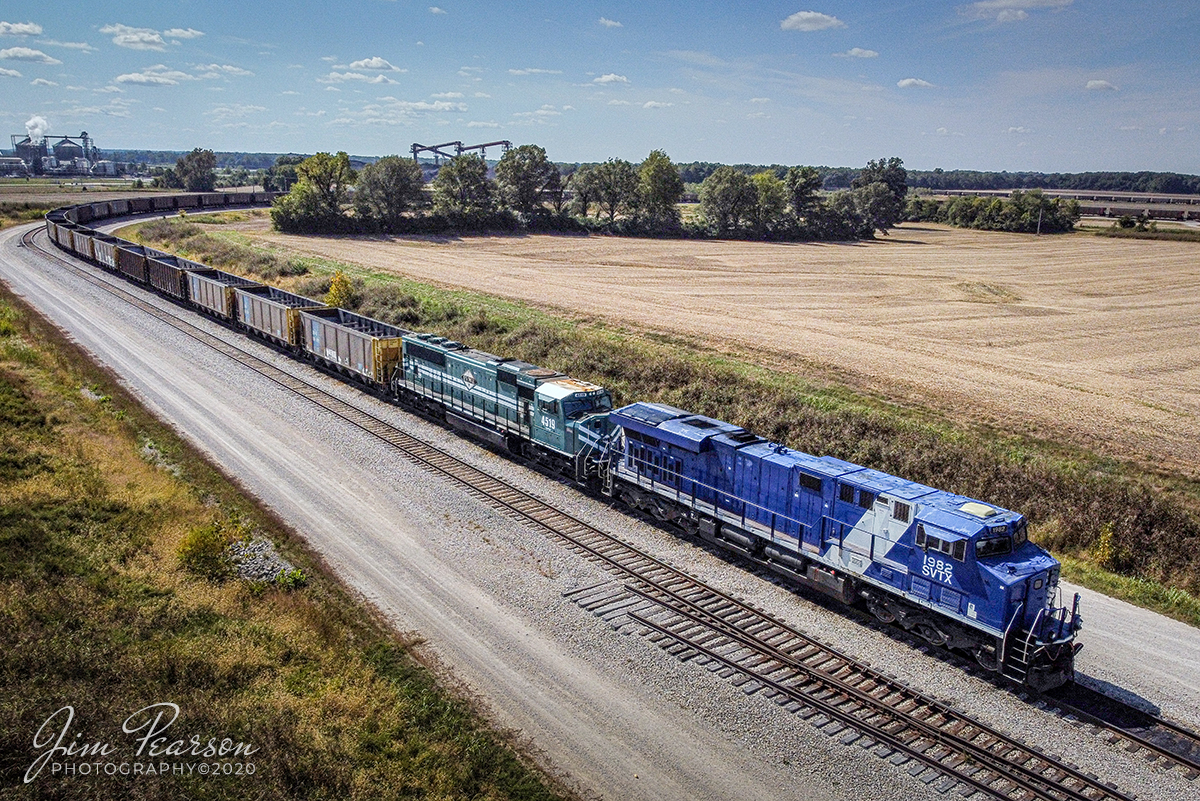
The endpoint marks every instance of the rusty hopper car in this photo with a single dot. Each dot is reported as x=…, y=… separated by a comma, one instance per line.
x=365, y=348
x=164, y=202
x=272, y=312
x=104, y=250
x=131, y=259
x=62, y=234
x=212, y=291
x=168, y=274
x=81, y=239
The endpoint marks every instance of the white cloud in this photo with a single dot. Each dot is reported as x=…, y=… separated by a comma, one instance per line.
x=482, y=94
x=28, y=54
x=620, y=103
x=544, y=111
x=809, y=21
x=158, y=75
x=858, y=52
x=146, y=79
x=760, y=100
x=9, y=73
x=220, y=113
x=392, y=111
x=1019, y=129
x=42, y=82
x=533, y=71
x=290, y=92
x=448, y=95
x=374, y=63
x=217, y=70
x=914, y=83
x=20, y=29
x=421, y=105
x=84, y=46
x=610, y=23
x=947, y=132
x=182, y=33
x=342, y=77
x=1010, y=10
x=1100, y=86
x=436, y=10
x=481, y=124
x=611, y=78
x=117, y=107
x=656, y=104
x=135, y=38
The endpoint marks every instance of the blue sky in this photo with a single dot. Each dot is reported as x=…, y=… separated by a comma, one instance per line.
x=1051, y=85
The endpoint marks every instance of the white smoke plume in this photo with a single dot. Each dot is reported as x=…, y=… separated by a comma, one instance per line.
x=37, y=128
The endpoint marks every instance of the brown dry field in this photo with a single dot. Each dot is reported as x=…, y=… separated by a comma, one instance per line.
x=1079, y=337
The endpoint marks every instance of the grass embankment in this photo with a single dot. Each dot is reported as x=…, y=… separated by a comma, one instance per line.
x=1122, y=530
x=96, y=612
x=17, y=212
x=1161, y=234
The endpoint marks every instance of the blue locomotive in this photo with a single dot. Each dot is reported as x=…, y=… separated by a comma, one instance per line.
x=957, y=572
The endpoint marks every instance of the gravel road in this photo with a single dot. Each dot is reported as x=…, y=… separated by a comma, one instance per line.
x=617, y=715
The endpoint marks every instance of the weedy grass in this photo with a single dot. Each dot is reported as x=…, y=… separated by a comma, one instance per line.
x=96, y=612
x=1070, y=495
x=1164, y=234
x=17, y=212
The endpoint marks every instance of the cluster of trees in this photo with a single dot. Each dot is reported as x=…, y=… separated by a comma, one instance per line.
x=529, y=191
x=193, y=172
x=1023, y=212
x=768, y=206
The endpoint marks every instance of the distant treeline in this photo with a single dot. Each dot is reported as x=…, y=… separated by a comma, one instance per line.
x=225, y=160
x=843, y=177
x=1164, y=182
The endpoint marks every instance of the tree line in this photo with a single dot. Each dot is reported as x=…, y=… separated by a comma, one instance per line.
x=529, y=192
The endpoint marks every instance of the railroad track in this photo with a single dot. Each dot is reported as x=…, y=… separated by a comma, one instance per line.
x=697, y=622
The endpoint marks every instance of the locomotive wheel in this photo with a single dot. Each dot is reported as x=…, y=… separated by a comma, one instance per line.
x=882, y=613
x=986, y=659
x=930, y=634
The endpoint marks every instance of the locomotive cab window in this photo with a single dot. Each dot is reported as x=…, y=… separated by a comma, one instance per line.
x=993, y=546
x=549, y=407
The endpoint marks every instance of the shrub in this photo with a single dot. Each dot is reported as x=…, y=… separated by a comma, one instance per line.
x=205, y=550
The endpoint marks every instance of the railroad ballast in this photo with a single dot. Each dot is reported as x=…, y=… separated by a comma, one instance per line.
x=958, y=572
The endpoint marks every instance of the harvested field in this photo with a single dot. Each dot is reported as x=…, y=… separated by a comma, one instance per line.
x=1077, y=337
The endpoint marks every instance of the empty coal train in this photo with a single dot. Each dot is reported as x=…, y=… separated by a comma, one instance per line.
x=956, y=571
